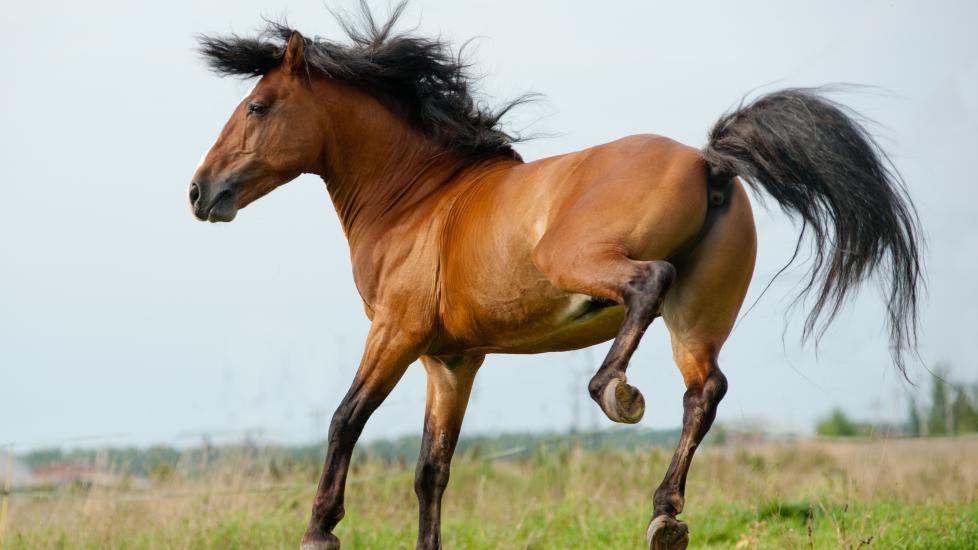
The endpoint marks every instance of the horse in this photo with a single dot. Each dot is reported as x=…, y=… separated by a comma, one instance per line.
x=460, y=248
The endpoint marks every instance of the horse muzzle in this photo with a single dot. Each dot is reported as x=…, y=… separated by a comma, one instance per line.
x=213, y=202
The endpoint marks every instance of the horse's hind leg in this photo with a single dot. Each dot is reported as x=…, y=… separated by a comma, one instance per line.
x=640, y=286
x=706, y=386
x=700, y=312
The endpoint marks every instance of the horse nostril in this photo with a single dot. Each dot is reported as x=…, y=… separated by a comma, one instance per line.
x=194, y=193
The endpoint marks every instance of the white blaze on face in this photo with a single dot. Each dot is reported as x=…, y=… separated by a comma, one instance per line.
x=207, y=152
x=202, y=159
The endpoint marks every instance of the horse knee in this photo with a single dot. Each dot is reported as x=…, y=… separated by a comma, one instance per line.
x=346, y=424
x=646, y=291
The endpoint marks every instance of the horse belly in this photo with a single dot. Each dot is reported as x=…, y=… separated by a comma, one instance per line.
x=553, y=320
x=581, y=323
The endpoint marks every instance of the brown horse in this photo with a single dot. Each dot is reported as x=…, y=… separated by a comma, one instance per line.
x=461, y=249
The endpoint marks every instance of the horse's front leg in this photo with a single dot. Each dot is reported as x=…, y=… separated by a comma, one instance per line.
x=387, y=354
x=449, y=384
x=606, y=273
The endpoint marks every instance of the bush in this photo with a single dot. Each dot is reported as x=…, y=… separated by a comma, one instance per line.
x=837, y=424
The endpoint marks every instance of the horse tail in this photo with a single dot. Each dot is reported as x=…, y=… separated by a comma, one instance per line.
x=821, y=165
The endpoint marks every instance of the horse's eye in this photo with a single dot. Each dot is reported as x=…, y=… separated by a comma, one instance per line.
x=257, y=108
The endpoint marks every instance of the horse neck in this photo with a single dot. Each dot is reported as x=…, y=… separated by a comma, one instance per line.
x=375, y=164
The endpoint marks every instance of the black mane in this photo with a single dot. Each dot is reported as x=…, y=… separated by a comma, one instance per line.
x=419, y=77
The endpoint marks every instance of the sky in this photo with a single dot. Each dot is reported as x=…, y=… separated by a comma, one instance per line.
x=125, y=321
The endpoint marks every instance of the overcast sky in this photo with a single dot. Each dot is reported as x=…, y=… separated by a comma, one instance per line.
x=121, y=315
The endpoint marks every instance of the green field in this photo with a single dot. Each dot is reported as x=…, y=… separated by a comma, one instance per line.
x=829, y=494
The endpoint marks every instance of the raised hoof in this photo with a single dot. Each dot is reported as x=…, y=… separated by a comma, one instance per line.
x=666, y=533
x=322, y=542
x=622, y=402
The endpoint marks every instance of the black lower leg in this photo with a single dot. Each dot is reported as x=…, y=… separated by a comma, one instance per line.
x=642, y=296
x=344, y=430
x=699, y=410
x=431, y=478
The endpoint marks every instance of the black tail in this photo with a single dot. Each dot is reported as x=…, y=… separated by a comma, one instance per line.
x=810, y=154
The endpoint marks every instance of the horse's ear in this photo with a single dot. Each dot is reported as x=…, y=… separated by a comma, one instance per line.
x=295, y=51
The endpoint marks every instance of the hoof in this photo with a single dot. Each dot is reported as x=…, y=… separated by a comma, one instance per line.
x=666, y=533
x=320, y=542
x=621, y=402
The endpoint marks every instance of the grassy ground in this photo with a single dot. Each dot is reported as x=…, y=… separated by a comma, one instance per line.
x=896, y=494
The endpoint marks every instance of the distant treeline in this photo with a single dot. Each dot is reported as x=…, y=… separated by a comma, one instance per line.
x=161, y=461
x=950, y=408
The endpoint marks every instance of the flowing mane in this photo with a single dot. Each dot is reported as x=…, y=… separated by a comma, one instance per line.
x=420, y=78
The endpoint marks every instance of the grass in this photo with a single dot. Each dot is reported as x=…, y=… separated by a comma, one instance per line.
x=897, y=494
